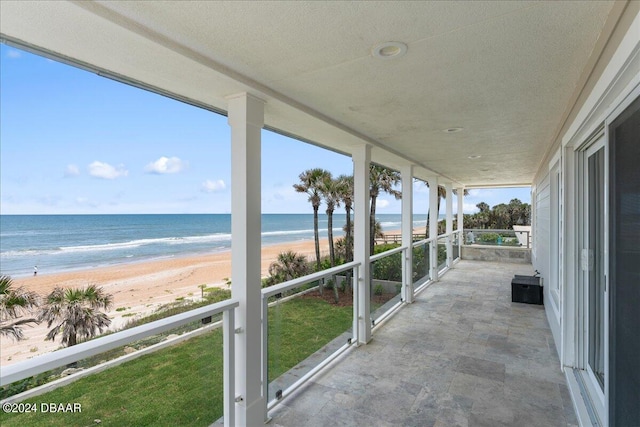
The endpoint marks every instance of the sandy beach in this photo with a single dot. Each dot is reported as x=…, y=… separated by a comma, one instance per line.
x=138, y=289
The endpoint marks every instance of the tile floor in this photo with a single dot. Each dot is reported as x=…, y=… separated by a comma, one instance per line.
x=461, y=355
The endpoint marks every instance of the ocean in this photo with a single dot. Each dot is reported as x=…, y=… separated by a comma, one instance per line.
x=56, y=243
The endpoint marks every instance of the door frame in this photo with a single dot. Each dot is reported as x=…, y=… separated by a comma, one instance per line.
x=597, y=394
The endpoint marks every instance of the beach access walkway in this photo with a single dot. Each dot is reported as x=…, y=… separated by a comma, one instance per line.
x=461, y=355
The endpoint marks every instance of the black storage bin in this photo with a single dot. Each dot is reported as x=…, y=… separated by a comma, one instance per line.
x=526, y=289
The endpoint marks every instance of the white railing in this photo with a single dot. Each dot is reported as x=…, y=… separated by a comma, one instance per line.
x=387, y=253
x=281, y=289
x=448, y=241
x=44, y=363
x=287, y=286
x=458, y=240
x=66, y=356
x=389, y=308
x=497, y=237
x=426, y=278
x=431, y=244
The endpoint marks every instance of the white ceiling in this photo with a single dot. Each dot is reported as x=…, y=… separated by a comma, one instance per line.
x=504, y=71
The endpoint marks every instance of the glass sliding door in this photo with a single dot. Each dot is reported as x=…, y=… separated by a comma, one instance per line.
x=608, y=292
x=596, y=273
x=623, y=275
x=592, y=301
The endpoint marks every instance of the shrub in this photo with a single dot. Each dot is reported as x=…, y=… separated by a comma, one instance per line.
x=343, y=286
x=388, y=268
x=420, y=261
x=442, y=253
x=289, y=265
x=384, y=247
x=488, y=237
x=217, y=294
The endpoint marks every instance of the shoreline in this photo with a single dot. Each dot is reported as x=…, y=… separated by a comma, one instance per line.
x=83, y=268
x=139, y=288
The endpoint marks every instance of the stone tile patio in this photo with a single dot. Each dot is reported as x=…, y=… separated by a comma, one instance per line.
x=461, y=355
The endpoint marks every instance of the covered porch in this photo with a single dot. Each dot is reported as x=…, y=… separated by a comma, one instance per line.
x=461, y=355
x=460, y=95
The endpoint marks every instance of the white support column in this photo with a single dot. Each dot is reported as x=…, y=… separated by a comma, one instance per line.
x=460, y=228
x=361, y=162
x=433, y=226
x=246, y=118
x=407, y=233
x=449, y=222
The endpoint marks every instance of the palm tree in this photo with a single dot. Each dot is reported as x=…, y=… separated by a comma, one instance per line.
x=287, y=266
x=76, y=313
x=483, y=207
x=442, y=193
x=500, y=216
x=15, y=303
x=310, y=182
x=378, y=233
x=483, y=214
x=380, y=179
x=519, y=212
x=345, y=191
x=330, y=192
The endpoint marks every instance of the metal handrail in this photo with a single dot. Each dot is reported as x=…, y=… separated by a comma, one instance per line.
x=512, y=232
x=431, y=239
x=299, y=281
x=395, y=238
x=63, y=357
x=495, y=230
x=386, y=253
x=424, y=241
x=292, y=284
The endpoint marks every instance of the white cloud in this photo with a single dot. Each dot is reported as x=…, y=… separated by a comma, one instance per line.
x=166, y=165
x=106, y=171
x=213, y=186
x=14, y=54
x=469, y=208
x=382, y=203
x=71, y=170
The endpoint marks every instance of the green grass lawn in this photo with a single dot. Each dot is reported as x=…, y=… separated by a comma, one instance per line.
x=182, y=385
x=300, y=327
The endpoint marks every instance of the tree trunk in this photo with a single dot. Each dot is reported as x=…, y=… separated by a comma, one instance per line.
x=72, y=341
x=315, y=236
x=348, y=243
x=372, y=225
x=317, y=241
x=426, y=230
x=348, y=249
x=332, y=254
x=438, y=217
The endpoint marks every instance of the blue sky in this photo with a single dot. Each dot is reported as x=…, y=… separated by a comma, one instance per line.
x=72, y=142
